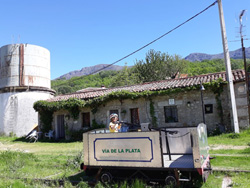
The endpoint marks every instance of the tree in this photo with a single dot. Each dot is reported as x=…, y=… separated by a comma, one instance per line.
x=64, y=90
x=125, y=77
x=159, y=66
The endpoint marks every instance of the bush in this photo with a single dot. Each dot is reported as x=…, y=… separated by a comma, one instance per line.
x=95, y=125
x=75, y=161
x=233, y=135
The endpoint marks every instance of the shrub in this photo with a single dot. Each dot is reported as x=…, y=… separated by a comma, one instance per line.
x=233, y=135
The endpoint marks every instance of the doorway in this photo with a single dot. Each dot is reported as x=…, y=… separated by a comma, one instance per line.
x=60, y=128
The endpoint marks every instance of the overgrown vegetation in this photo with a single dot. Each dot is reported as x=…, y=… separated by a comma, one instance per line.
x=73, y=105
x=152, y=113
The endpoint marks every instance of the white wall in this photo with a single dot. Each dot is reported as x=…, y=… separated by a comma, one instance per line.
x=17, y=114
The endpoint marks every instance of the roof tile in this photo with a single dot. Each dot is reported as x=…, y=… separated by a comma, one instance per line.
x=238, y=75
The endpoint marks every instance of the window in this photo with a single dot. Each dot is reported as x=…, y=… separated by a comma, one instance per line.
x=114, y=112
x=171, y=114
x=134, y=112
x=86, y=119
x=208, y=108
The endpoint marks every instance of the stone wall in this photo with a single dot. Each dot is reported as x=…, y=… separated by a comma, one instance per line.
x=189, y=107
x=241, y=103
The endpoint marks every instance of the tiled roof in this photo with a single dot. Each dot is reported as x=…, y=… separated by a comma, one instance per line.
x=238, y=75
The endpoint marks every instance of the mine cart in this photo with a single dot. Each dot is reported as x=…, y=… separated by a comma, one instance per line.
x=165, y=155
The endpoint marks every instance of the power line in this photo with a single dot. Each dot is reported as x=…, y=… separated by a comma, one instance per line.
x=149, y=42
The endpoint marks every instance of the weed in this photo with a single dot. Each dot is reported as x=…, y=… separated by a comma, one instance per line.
x=75, y=161
x=234, y=135
x=15, y=160
x=82, y=184
x=138, y=184
x=12, y=134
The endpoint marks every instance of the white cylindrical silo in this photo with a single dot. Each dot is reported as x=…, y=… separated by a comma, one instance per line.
x=24, y=79
x=24, y=65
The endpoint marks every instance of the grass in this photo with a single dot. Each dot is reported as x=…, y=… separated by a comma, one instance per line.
x=232, y=162
x=42, y=148
x=59, y=160
x=16, y=164
x=231, y=151
x=241, y=139
x=232, y=158
x=53, y=160
x=240, y=180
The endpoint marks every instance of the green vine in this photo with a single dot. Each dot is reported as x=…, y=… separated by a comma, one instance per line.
x=217, y=89
x=152, y=113
x=46, y=118
x=73, y=105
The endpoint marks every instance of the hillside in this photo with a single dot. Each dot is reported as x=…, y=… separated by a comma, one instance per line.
x=89, y=70
x=237, y=54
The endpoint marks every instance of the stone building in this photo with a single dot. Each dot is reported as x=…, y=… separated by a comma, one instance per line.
x=173, y=109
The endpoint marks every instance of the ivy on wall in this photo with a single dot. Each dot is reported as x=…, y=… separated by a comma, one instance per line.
x=152, y=113
x=217, y=88
x=73, y=105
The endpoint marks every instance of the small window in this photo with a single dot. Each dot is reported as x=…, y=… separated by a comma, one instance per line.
x=113, y=112
x=86, y=119
x=208, y=108
x=134, y=112
x=171, y=114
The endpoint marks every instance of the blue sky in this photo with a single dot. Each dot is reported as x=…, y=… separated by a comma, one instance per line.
x=81, y=33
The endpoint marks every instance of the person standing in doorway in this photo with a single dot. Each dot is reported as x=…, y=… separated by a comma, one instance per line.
x=114, y=125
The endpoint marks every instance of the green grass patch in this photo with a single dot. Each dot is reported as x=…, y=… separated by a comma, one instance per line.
x=231, y=162
x=240, y=180
x=42, y=148
x=231, y=151
x=214, y=180
x=241, y=139
x=16, y=164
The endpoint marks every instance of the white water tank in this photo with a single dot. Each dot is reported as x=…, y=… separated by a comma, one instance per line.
x=24, y=79
x=24, y=65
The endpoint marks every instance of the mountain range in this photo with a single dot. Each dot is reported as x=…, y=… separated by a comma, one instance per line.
x=89, y=70
x=237, y=54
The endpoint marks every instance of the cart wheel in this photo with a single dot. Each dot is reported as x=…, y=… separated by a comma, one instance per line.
x=170, y=181
x=106, y=177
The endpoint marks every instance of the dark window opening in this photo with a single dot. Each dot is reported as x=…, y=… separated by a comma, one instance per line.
x=208, y=108
x=86, y=119
x=60, y=127
x=171, y=114
x=114, y=112
x=135, y=116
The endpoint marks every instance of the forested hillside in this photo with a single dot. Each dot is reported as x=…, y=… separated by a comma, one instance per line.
x=156, y=66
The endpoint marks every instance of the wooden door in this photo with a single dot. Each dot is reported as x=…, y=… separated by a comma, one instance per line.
x=60, y=127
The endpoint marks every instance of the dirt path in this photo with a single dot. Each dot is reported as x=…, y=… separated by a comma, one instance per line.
x=13, y=147
x=218, y=147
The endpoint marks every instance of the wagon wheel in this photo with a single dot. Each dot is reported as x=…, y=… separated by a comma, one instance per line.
x=170, y=181
x=106, y=177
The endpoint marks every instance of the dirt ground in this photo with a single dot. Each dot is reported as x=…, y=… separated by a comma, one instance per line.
x=218, y=147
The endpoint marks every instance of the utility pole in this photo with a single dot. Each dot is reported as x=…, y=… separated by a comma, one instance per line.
x=245, y=61
x=228, y=70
